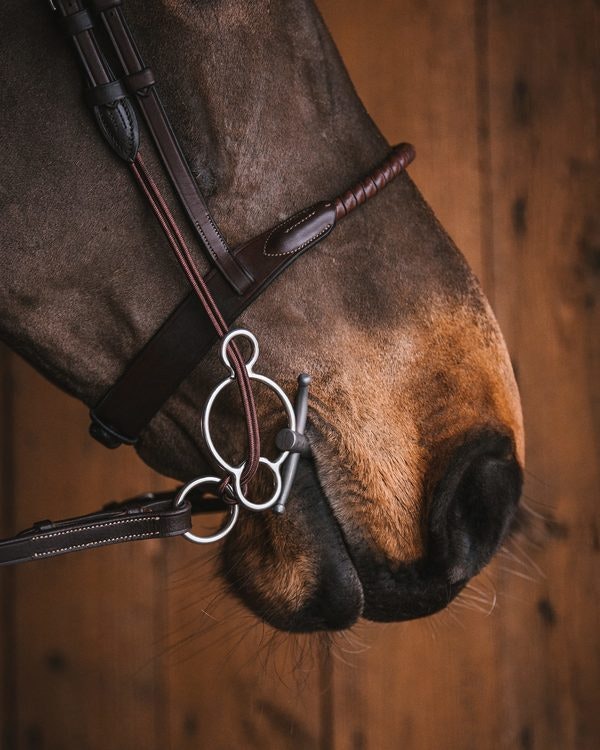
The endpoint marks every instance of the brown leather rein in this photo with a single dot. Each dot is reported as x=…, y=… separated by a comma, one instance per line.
x=237, y=277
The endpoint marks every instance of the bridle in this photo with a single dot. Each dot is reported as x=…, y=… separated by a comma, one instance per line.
x=236, y=278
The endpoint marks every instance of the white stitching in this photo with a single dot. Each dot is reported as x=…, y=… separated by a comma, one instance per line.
x=278, y=226
x=127, y=538
x=295, y=249
x=106, y=525
x=300, y=221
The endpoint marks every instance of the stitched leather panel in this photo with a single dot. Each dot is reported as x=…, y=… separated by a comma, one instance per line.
x=119, y=126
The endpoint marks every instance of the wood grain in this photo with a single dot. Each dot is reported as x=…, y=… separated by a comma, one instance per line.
x=544, y=79
x=85, y=667
x=7, y=579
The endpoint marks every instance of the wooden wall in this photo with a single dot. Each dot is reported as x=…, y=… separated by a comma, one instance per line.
x=136, y=647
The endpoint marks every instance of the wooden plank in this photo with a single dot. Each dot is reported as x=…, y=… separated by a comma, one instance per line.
x=88, y=671
x=543, y=65
x=7, y=625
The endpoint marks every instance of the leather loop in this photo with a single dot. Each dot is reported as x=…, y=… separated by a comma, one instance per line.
x=137, y=82
x=77, y=22
x=106, y=93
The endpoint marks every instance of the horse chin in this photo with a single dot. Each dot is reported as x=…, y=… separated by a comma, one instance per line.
x=294, y=571
x=299, y=573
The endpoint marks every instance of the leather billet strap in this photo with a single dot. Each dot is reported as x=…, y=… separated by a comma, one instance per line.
x=113, y=110
x=140, y=81
x=186, y=336
x=131, y=522
x=151, y=516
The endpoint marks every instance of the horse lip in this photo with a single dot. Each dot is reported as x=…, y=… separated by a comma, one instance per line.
x=411, y=602
x=338, y=525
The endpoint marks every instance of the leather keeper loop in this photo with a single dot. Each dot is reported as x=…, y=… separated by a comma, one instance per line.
x=139, y=81
x=100, y=6
x=77, y=22
x=106, y=93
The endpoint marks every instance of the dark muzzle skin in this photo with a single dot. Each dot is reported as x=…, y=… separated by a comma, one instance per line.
x=465, y=520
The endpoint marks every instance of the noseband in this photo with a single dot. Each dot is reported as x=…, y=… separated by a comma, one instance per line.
x=236, y=278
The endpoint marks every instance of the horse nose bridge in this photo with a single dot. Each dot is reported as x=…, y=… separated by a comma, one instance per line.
x=469, y=509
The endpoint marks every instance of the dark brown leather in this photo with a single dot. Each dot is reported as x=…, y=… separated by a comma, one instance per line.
x=366, y=188
x=186, y=336
x=182, y=342
x=113, y=111
x=141, y=80
x=77, y=22
x=134, y=520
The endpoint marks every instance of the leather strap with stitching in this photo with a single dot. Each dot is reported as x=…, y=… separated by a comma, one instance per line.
x=129, y=522
x=139, y=79
x=149, y=516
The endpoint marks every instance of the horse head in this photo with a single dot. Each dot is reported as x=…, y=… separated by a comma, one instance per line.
x=414, y=415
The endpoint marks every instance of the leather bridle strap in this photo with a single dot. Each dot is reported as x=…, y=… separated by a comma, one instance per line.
x=139, y=81
x=150, y=516
x=186, y=336
x=183, y=340
x=236, y=280
x=79, y=25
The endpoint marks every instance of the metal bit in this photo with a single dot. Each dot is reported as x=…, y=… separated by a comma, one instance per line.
x=294, y=441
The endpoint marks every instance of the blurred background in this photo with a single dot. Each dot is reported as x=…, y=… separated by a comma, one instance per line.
x=139, y=647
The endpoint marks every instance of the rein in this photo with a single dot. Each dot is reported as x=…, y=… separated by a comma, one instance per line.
x=236, y=278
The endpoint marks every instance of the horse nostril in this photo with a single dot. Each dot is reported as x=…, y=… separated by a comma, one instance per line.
x=473, y=505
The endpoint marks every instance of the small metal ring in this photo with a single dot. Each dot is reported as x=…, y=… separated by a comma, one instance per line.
x=229, y=338
x=239, y=492
x=234, y=512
